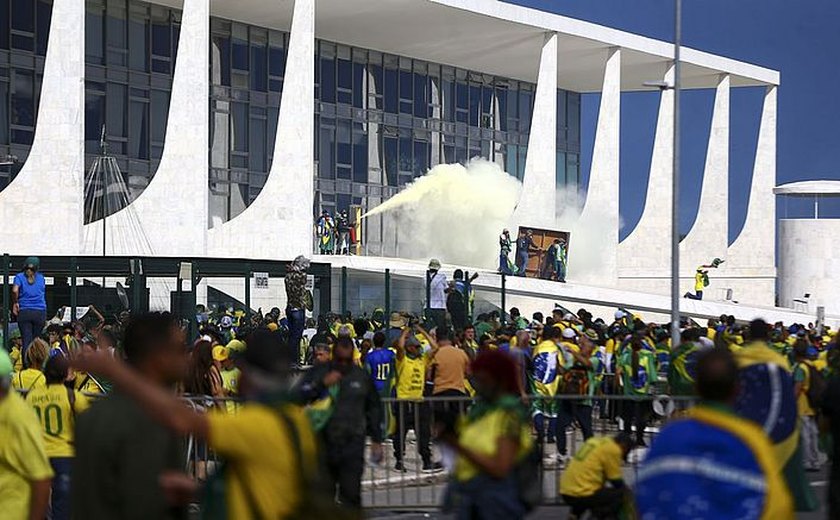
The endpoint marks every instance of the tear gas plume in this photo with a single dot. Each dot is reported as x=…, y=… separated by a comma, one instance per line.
x=455, y=213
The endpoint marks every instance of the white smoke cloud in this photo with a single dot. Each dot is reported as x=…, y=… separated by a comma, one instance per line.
x=455, y=213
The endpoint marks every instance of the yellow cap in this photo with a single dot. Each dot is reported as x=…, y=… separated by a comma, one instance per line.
x=220, y=353
x=272, y=326
x=236, y=345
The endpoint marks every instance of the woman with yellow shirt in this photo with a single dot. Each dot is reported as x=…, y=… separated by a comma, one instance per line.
x=56, y=406
x=32, y=377
x=489, y=441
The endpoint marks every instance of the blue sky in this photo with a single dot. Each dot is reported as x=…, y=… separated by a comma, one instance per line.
x=800, y=39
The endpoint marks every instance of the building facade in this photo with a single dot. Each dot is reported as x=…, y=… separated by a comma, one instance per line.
x=227, y=118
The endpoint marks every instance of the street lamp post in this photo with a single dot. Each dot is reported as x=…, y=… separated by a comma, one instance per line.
x=675, y=184
x=675, y=179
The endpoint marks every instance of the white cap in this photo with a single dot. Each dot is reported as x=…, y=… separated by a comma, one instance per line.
x=619, y=315
x=568, y=316
x=569, y=333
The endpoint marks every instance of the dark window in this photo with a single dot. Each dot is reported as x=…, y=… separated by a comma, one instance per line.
x=326, y=158
x=160, y=110
x=421, y=95
x=259, y=72
x=360, y=156
x=391, y=92
x=421, y=157
x=5, y=27
x=94, y=34
x=239, y=132
x=138, y=141
x=4, y=112
x=23, y=15
x=43, y=32
x=94, y=119
x=327, y=80
x=391, y=160
x=257, y=144
x=138, y=40
x=23, y=98
x=116, y=110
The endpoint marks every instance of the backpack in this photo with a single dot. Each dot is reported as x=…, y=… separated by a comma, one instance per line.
x=816, y=387
x=455, y=302
x=575, y=382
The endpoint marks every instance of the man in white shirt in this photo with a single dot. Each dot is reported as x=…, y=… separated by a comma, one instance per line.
x=438, y=285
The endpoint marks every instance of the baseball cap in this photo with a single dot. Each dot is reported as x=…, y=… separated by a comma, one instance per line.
x=272, y=326
x=434, y=263
x=619, y=315
x=6, y=367
x=220, y=353
x=236, y=345
x=591, y=334
x=569, y=333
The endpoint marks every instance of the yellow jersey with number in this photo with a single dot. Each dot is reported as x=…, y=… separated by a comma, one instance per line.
x=57, y=416
x=598, y=460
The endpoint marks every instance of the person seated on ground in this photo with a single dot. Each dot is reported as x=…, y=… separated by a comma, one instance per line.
x=714, y=463
x=584, y=482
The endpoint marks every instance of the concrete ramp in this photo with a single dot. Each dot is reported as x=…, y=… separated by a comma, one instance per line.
x=532, y=295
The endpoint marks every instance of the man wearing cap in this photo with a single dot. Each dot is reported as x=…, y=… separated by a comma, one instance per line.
x=229, y=372
x=29, y=301
x=437, y=287
x=265, y=444
x=25, y=471
x=505, y=245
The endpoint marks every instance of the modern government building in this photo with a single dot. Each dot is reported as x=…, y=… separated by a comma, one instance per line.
x=234, y=123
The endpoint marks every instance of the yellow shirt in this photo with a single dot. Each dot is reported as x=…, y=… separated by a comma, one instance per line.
x=801, y=374
x=269, y=474
x=57, y=416
x=28, y=379
x=17, y=362
x=698, y=282
x=482, y=436
x=86, y=384
x=598, y=460
x=411, y=377
x=230, y=382
x=22, y=456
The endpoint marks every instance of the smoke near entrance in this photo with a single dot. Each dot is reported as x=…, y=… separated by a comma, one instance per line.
x=455, y=213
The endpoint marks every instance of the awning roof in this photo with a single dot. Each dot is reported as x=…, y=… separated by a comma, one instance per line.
x=809, y=188
x=495, y=37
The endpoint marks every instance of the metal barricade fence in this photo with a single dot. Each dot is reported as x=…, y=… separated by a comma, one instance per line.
x=384, y=486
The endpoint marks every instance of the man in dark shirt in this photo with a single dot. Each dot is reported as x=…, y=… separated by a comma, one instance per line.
x=357, y=412
x=122, y=455
x=831, y=424
x=524, y=247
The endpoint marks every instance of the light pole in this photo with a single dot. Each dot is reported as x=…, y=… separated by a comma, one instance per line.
x=675, y=179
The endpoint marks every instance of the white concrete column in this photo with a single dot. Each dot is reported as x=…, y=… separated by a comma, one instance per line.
x=708, y=238
x=750, y=264
x=170, y=216
x=537, y=201
x=755, y=245
x=647, y=250
x=42, y=209
x=600, y=211
x=285, y=203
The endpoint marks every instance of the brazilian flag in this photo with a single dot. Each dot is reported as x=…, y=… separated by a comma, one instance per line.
x=767, y=398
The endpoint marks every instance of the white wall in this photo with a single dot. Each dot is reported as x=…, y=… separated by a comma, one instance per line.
x=809, y=262
x=41, y=209
x=171, y=213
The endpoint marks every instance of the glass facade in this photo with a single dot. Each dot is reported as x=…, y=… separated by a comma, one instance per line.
x=24, y=32
x=381, y=120
x=130, y=50
x=247, y=65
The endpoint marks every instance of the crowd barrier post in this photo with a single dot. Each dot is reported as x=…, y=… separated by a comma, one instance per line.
x=387, y=293
x=74, y=267
x=344, y=291
x=6, y=301
x=248, y=291
x=504, y=297
x=194, y=279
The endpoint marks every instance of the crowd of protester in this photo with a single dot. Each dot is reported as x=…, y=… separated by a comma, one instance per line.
x=485, y=392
